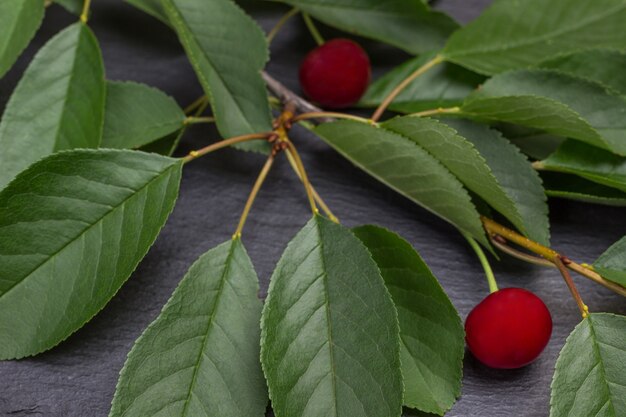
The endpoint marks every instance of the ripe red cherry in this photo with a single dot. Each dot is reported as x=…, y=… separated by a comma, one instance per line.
x=335, y=74
x=508, y=329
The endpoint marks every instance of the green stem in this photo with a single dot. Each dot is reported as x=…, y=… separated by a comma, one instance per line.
x=328, y=114
x=316, y=196
x=196, y=104
x=491, y=279
x=84, y=16
x=223, y=144
x=192, y=120
x=272, y=34
x=313, y=29
x=434, y=112
x=438, y=59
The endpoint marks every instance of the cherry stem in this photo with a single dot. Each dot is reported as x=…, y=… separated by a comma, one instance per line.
x=558, y=261
x=84, y=16
x=317, y=197
x=327, y=115
x=225, y=143
x=291, y=149
x=288, y=96
x=255, y=191
x=192, y=120
x=408, y=80
x=196, y=104
x=313, y=29
x=272, y=33
x=498, y=231
x=491, y=279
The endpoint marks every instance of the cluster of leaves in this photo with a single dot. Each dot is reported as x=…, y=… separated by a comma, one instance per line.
x=355, y=324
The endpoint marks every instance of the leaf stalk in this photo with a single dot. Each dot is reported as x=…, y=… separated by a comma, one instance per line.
x=317, y=197
x=84, y=16
x=439, y=110
x=328, y=115
x=192, y=120
x=255, y=191
x=408, y=80
x=225, y=143
x=272, y=33
x=196, y=104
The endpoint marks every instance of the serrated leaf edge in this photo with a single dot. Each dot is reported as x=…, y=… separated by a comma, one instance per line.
x=134, y=268
x=267, y=308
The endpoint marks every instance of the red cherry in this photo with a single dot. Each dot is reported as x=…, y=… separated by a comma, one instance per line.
x=508, y=329
x=335, y=74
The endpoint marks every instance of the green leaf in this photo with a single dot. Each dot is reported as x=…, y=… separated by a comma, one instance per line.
x=571, y=187
x=612, y=263
x=432, y=341
x=19, y=20
x=407, y=168
x=58, y=104
x=590, y=375
x=407, y=24
x=586, y=161
x=527, y=209
x=72, y=6
x=136, y=115
x=601, y=65
x=167, y=145
x=445, y=85
x=556, y=102
x=73, y=227
x=329, y=332
x=200, y=357
x=514, y=174
x=152, y=7
x=514, y=34
x=229, y=70
x=533, y=142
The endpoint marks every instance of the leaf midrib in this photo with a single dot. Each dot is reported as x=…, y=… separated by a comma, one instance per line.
x=497, y=193
x=413, y=199
x=538, y=39
x=435, y=398
x=86, y=230
x=205, y=338
x=596, y=350
x=328, y=316
x=551, y=101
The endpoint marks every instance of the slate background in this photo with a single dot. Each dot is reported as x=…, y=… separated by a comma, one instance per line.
x=78, y=377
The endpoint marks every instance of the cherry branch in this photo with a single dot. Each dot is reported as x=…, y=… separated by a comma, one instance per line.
x=503, y=234
x=288, y=96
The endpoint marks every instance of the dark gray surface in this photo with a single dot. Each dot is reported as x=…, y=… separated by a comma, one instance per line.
x=77, y=378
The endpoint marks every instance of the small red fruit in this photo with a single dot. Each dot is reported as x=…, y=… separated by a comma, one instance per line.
x=335, y=74
x=508, y=329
